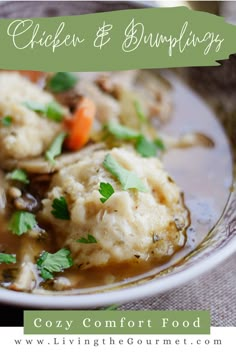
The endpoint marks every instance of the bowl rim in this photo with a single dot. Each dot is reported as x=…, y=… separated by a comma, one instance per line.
x=120, y=296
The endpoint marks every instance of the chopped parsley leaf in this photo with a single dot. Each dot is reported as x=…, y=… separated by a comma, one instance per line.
x=21, y=222
x=141, y=116
x=35, y=106
x=145, y=147
x=19, y=175
x=62, y=81
x=128, y=179
x=54, y=111
x=6, y=121
x=51, y=110
x=48, y=263
x=122, y=132
x=89, y=239
x=159, y=144
x=7, y=258
x=106, y=190
x=55, y=148
x=60, y=209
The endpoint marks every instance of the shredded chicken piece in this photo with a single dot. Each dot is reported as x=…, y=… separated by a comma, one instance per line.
x=27, y=275
x=3, y=199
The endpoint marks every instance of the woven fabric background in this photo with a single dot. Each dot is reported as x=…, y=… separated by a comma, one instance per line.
x=214, y=291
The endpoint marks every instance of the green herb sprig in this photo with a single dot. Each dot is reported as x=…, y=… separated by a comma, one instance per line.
x=60, y=209
x=139, y=111
x=6, y=121
x=89, y=239
x=19, y=175
x=49, y=263
x=106, y=190
x=55, y=148
x=7, y=258
x=21, y=222
x=128, y=179
x=143, y=145
x=61, y=82
x=51, y=110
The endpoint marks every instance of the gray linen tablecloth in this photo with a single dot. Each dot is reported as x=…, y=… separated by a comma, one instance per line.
x=214, y=291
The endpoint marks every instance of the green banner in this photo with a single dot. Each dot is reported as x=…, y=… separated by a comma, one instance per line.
x=117, y=40
x=116, y=322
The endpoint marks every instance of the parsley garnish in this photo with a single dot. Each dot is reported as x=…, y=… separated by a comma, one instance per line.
x=35, y=106
x=62, y=81
x=89, y=239
x=55, y=148
x=160, y=144
x=141, y=116
x=51, y=110
x=60, y=209
x=48, y=263
x=106, y=190
x=21, y=222
x=7, y=258
x=145, y=147
x=6, y=121
x=19, y=175
x=54, y=111
x=128, y=179
x=122, y=132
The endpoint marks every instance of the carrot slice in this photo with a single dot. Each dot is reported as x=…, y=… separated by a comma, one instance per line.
x=34, y=76
x=81, y=124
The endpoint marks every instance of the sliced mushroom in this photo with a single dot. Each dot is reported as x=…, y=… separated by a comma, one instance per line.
x=69, y=99
x=27, y=202
x=188, y=140
x=111, y=84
